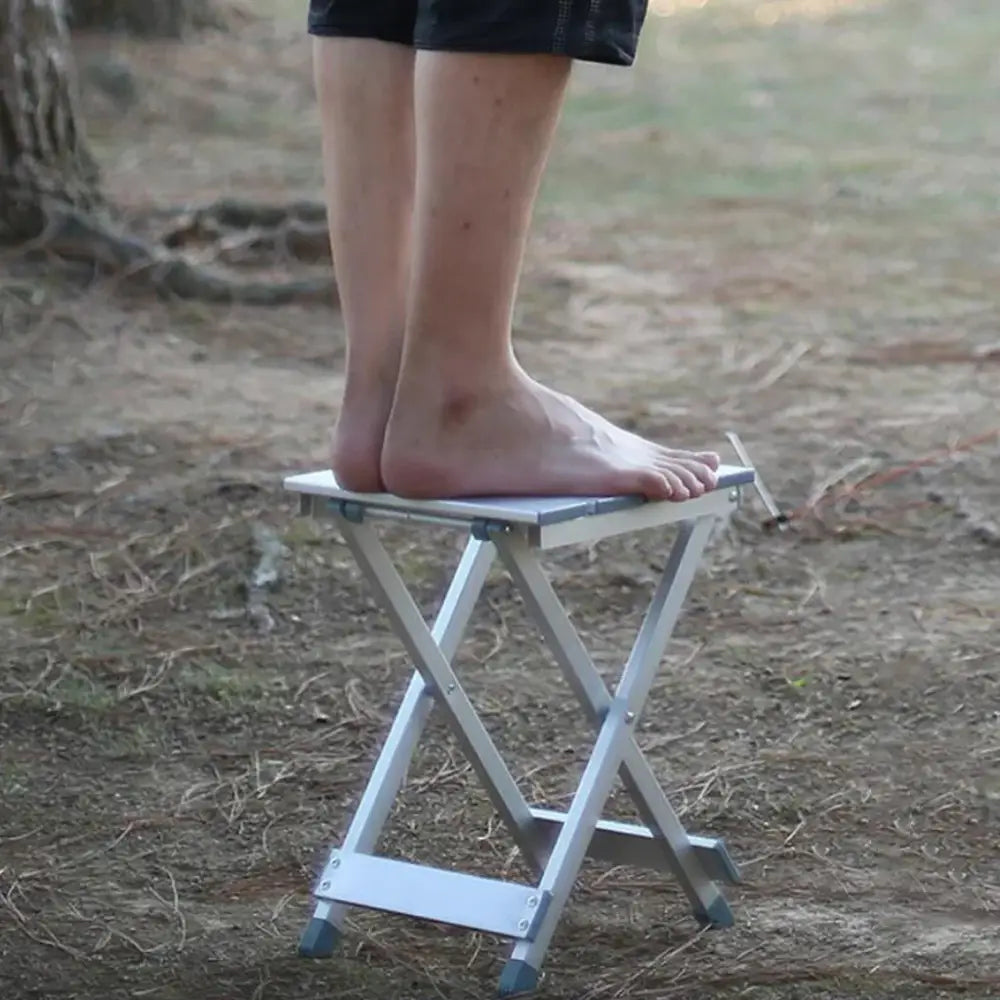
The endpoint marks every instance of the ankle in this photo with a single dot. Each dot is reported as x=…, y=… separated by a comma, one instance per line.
x=365, y=377
x=423, y=416
x=449, y=383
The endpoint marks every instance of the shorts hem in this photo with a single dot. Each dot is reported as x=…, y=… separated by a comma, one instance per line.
x=610, y=58
x=328, y=31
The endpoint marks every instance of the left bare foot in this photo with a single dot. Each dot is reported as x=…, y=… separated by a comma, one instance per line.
x=356, y=449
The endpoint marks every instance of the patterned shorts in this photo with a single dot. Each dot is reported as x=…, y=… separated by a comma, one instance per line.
x=604, y=31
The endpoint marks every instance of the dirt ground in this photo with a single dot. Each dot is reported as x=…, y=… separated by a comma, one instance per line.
x=782, y=222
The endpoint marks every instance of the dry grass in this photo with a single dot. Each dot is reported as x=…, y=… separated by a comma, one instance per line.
x=785, y=228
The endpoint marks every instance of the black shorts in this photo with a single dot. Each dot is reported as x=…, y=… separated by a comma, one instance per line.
x=604, y=31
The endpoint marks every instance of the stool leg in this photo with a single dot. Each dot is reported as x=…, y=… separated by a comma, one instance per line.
x=323, y=931
x=569, y=850
x=616, y=731
x=450, y=697
x=708, y=903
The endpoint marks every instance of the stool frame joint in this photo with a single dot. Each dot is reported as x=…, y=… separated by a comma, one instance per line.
x=349, y=510
x=486, y=529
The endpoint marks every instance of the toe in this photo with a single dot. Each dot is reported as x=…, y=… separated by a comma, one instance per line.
x=694, y=463
x=704, y=474
x=655, y=485
x=682, y=472
x=678, y=489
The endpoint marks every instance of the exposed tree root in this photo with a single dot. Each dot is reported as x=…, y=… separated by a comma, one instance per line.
x=296, y=240
x=296, y=230
x=237, y=214
x=78, y=236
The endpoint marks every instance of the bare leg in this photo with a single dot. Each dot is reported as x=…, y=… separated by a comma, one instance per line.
x=466, y=419
x=365, y=90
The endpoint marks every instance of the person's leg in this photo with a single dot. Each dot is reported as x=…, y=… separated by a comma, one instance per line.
x=466, y=419
x=365, y=90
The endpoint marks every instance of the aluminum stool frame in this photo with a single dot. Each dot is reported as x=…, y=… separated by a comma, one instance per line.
x=554, y=844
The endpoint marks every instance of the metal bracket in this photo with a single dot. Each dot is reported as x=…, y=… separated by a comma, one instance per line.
x=328, y=873
x=534, y=914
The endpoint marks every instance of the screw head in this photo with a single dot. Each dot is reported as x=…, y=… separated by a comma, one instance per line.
x=532, y=901
x=522, y=925
x=734, y=495
x=324, y=885
x=335, y=863
x=450, y=688
x=630, y=717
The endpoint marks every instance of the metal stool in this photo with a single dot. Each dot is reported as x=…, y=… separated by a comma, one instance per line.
x=553, y=843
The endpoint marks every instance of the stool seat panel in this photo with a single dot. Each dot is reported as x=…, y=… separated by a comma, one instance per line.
x=535, y=511
x=515, y=510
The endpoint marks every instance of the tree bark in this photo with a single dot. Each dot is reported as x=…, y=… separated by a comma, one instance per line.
x=147, y=18
x=44, y=156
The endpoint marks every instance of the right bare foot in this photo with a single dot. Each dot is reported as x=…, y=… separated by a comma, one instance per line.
x=521, y=438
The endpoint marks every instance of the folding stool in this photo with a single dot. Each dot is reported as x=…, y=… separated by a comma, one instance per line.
x=554, y=844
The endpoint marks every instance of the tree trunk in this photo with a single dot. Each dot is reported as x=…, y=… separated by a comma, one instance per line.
x=44, y=156
x=50, y=193
x=148, y=18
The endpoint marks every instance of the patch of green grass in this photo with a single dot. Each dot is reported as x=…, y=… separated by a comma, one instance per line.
x=40, y=614
x=221, y=682
x=133, y=740
x=892, y=100
x=15, y=779
x=11, y=605
x=76, y=690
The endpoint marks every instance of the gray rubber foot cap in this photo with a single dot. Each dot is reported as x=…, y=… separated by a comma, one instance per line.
x=319, y=939
x=517, y=979
x=716, y=915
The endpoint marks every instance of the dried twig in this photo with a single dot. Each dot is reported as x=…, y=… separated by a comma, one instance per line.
x=883, y=478
x=784, y=366
x=48, y=940
x=625, y=988
x=173, y=904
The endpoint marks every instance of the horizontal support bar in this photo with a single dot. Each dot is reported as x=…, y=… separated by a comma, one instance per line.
x=485, y=904
x=717, y=503
x=637, y=846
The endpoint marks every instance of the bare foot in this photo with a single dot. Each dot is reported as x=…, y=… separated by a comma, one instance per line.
x=356, y=449
x=522, y=438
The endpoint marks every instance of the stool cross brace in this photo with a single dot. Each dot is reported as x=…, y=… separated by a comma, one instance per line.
x=554, y=844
